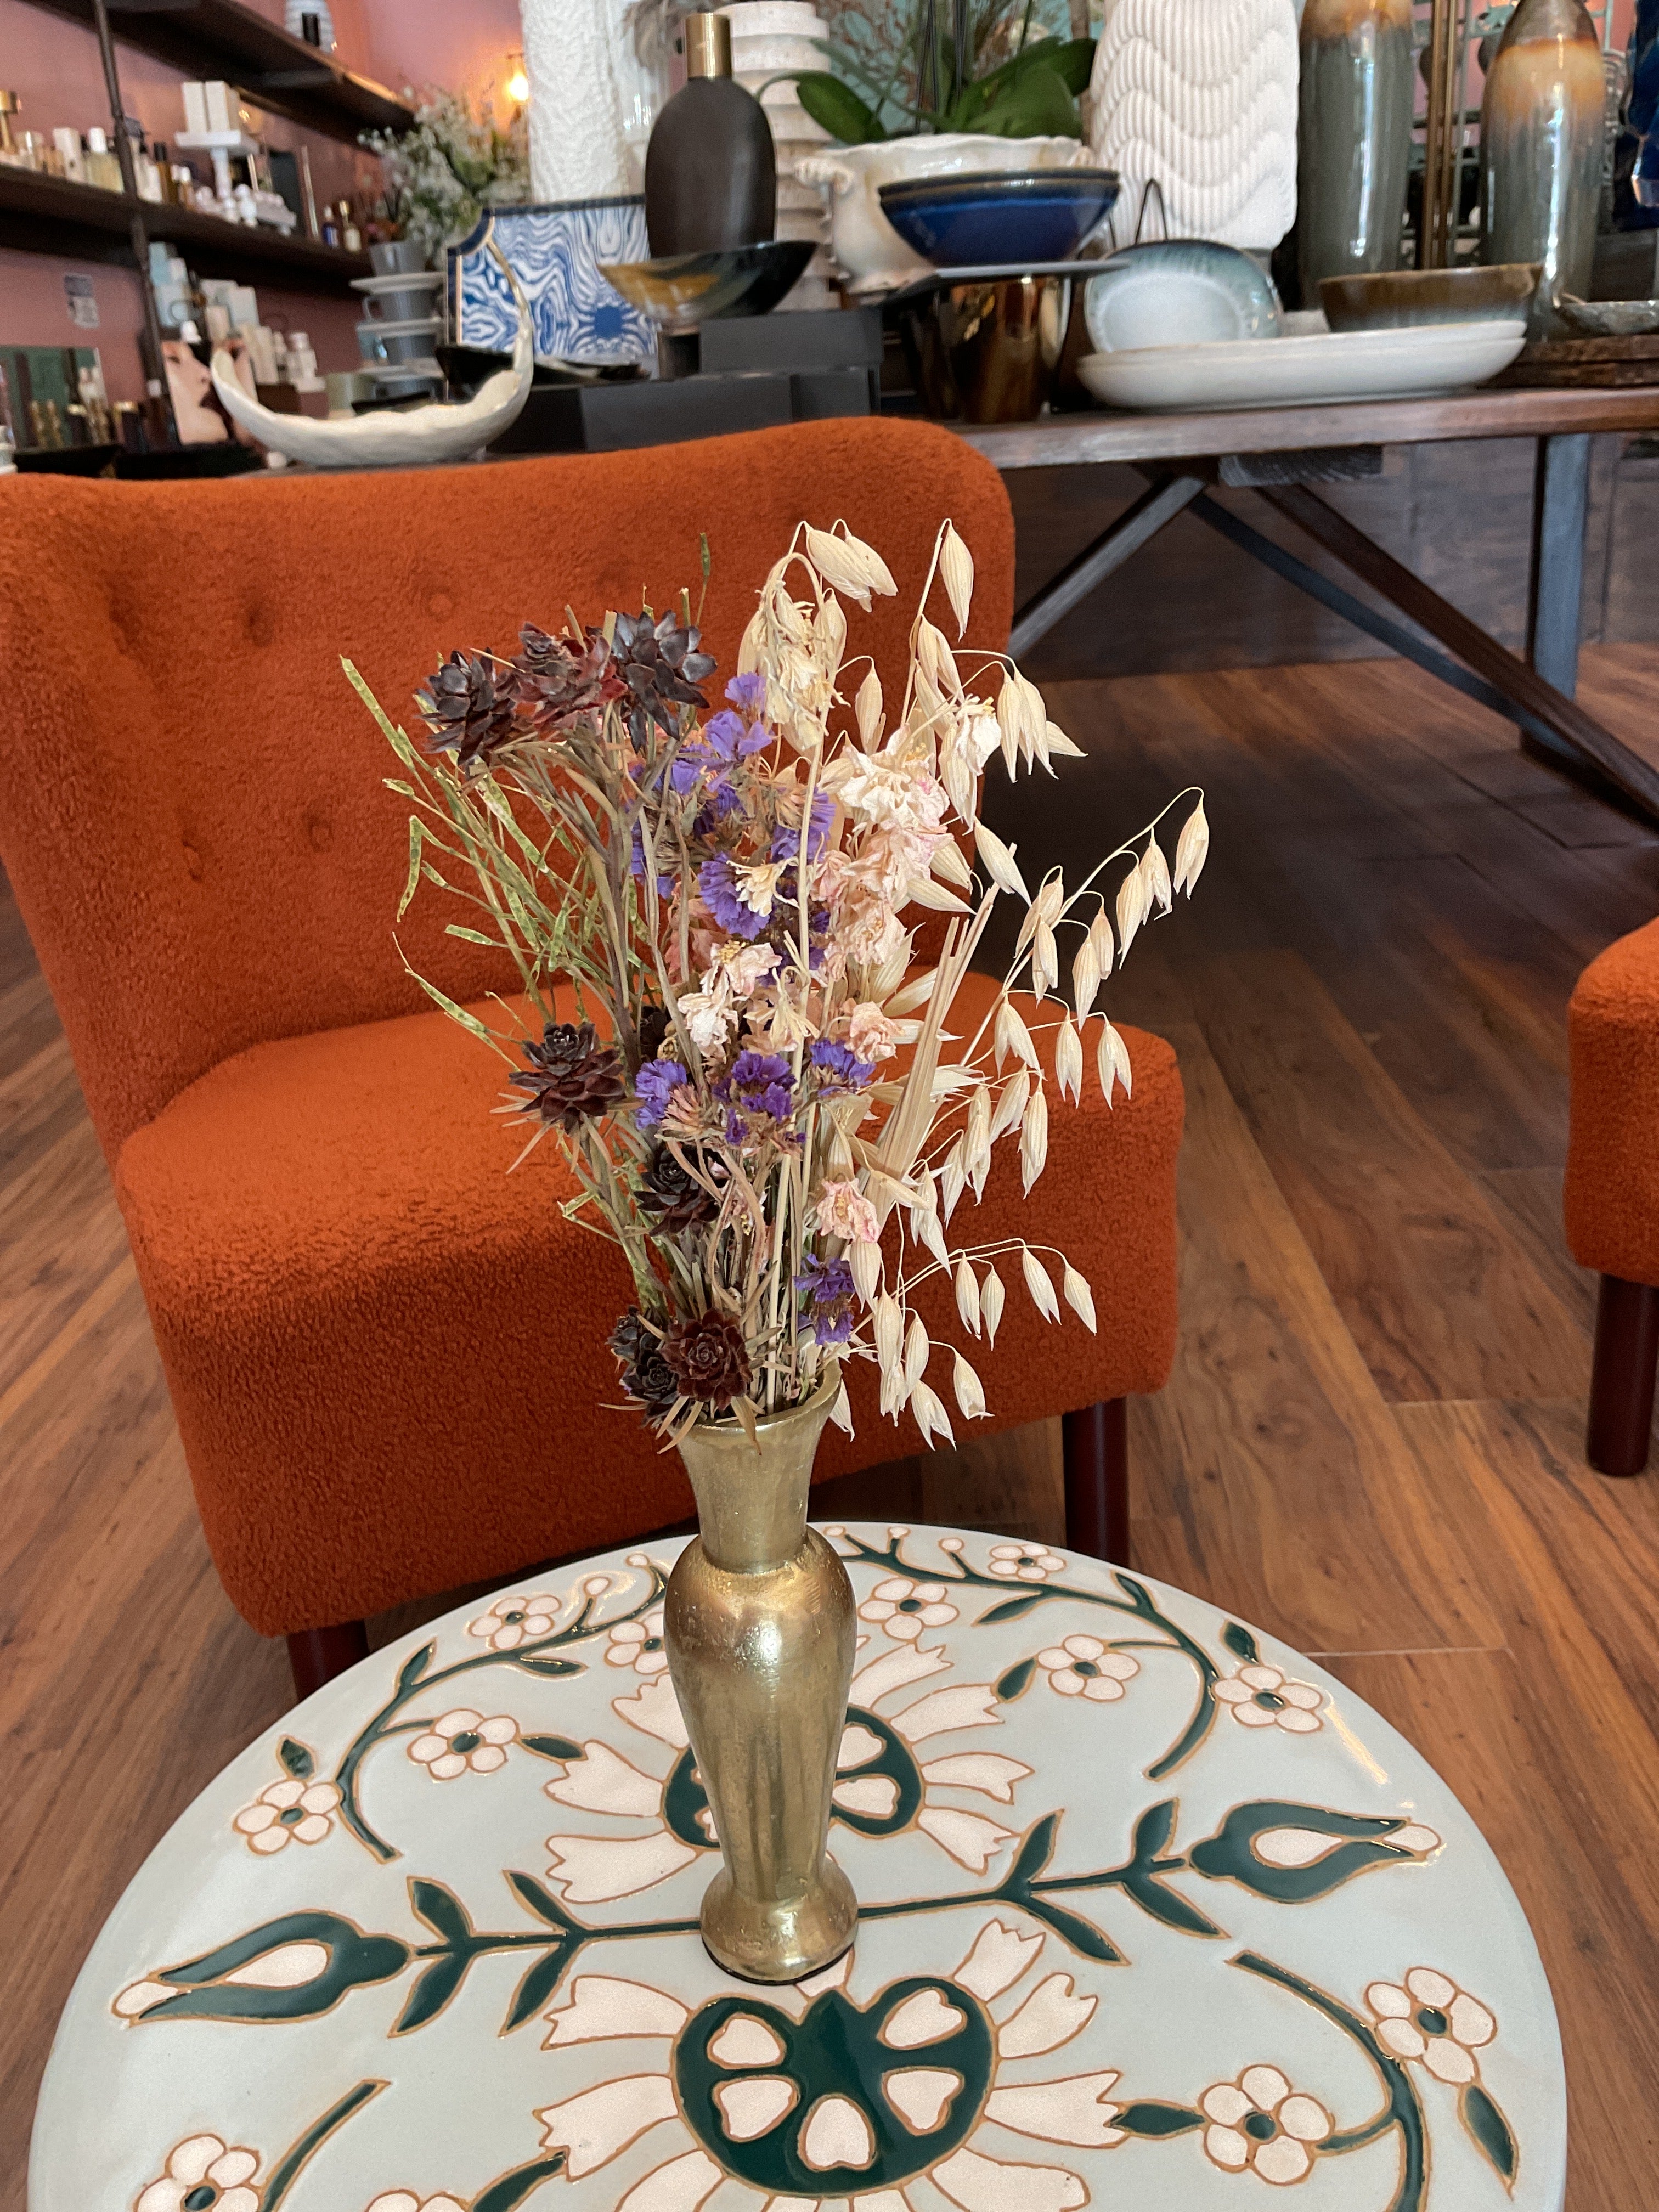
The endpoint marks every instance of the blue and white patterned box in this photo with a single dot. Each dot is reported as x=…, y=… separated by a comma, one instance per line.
x=555, y=249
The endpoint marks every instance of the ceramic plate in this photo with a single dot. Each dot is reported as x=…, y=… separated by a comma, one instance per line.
x=1289, y=372
x=1178, y=291
x=400, y=280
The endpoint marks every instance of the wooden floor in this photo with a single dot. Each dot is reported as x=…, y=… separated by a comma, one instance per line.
x=1372, y=1441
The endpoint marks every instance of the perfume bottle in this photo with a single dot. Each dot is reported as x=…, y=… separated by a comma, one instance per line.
x=102, y=167
x=710, y=174
x=350, y=237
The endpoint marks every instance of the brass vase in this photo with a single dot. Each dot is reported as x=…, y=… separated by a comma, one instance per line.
x=758, y=1624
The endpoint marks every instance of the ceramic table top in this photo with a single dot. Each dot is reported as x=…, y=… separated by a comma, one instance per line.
x=1154, y=1914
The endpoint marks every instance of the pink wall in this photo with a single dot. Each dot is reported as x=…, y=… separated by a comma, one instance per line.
x=54, y=67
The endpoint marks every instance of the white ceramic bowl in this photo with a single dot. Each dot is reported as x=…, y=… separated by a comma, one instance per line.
x=873, y=256
x=1288, y=371
x=1178, y=291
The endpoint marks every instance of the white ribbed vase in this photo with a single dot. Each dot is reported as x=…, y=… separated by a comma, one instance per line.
x=1201, y=95
x=592, y=100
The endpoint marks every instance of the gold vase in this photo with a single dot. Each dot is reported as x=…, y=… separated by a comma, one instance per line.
x=758, y=1622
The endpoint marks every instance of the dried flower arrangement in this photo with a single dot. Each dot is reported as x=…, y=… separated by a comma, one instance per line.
x=756, y=1082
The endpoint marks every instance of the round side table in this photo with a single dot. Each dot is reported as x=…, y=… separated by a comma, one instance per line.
x=1153, y=1913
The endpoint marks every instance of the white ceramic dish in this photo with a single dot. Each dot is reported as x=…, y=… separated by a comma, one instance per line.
x=419, y=326
x=400, y=280
x=1178, y=291
x=1290, y=371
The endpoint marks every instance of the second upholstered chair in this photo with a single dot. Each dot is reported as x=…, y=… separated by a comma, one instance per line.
x=386, y=1354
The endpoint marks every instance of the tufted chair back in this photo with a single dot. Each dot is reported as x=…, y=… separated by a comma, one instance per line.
x=193, y=806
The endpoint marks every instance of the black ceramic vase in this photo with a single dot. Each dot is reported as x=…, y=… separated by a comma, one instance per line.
x=710, y=177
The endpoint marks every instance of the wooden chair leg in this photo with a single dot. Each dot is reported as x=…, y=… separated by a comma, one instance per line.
x=1621, y=1381
x=1095, y=1446
x=318, y=1655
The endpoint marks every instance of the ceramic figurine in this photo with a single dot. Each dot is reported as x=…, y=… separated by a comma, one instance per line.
x=1542, y=129
x=1200, y=99
x=1354, y=138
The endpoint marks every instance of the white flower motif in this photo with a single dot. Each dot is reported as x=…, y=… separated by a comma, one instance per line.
x=205, y=2174
x=1431, y=2018
x=1261, y=2123
x=1264, y=1697
x=1026, y=1563
x=512, y=1621
x=834, y=2136
x=1082, y=1666
x=904, y=1608
x=638, y=1644
x=462, y=1739
x=405, y=2200
x=595, y=1868
x=288, y=1811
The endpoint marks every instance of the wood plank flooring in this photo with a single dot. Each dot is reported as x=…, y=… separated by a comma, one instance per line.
x=1370, y=1444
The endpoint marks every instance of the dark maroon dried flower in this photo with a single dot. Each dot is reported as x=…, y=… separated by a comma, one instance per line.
x=557, y=681
x=673, y=1194
x=662, y=667
x=645, y=1376
x=571, y=1076
x=708, y=1358
x=468, y=707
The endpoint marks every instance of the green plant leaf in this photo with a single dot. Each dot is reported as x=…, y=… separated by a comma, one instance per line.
x=1168, y=1905
x=472, y=936
x=1150, y=2118
x=1015, y=1683
x=1010, y=1607
x=1036, y=104
x=838, y=107
x=296, y=1760
x=441, y=1909
x=1035, y=1852
x=536, y=1986
x=432, y=1992
x=551, y=1747
x=539, y=1901
x=1240, y=1642
x=513, y=2188
x=1153, y=1830
x=417, y=834
x=1082, y=1934
x=1488, y=2130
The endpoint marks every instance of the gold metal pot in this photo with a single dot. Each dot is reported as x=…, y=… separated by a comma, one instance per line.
x=758, y=1623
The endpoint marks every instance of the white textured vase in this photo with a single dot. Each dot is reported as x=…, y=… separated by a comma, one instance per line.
x=1201, y=96
x=592, y=100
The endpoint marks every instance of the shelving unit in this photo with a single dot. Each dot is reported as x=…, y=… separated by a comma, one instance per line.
x=45, y=215
x=218, y=39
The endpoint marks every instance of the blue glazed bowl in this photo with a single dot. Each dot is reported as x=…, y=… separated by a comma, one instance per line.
x=999, y=220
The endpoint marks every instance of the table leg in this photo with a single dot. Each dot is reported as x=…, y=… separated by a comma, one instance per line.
x=1555, y=583
x=1582, y=740
x=1132, y=529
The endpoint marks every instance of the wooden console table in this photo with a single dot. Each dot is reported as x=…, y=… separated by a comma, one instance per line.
x=1280, y=452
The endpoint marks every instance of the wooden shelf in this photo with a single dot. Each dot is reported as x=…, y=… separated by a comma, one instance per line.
x=219, y=38
x=47, y=214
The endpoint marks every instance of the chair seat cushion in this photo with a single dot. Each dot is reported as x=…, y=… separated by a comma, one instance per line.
x=1613, y=1154
x=389, y=1354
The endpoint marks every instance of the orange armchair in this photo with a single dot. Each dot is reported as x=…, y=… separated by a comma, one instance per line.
x=1612, y=1187
x=386, y=1355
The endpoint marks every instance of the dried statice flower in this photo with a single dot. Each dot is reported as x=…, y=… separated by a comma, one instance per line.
x=646, y=1375
x=660, y=668
x=468, y=706
x=655, y=1085
x=828, y=1288
x=571, y=1077
x=708, y=1358
x=676, y=1198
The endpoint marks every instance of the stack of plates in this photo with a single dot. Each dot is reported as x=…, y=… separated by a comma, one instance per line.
x=767, y=37
x=1305, y=365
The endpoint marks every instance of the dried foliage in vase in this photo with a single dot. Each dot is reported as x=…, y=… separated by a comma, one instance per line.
x=757, y=1080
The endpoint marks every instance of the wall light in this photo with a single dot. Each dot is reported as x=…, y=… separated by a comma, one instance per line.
x=517, y=84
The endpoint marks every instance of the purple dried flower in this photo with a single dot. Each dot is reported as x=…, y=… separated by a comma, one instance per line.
x=730, y=739
x=666, y=884
x=758, y=1083
x=827, y=1286
x=748, y=692
x=719, y=889
x=786, y=842
x=839, y=1067
x=654, y=1085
